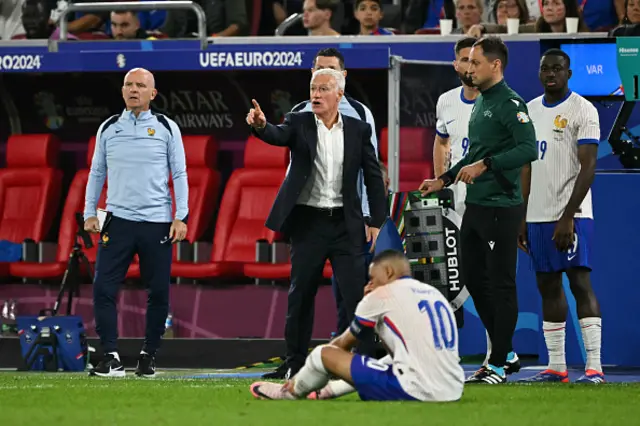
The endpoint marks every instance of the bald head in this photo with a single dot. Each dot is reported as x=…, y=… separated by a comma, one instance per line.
x=387, y=267
x=139, y=90
x=142, y=74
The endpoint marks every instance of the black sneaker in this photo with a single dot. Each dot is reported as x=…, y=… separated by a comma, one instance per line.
x=110, y=366
x=284, y=372
x=488, y=377
x=512, y=366
x=146, y=366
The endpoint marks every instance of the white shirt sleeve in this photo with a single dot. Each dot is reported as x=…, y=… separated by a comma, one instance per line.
x=369, y=312
x=441, y=126
x=588, y=125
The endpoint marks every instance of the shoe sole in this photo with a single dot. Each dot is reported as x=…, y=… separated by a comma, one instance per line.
x=118, y=374
x=145, y=376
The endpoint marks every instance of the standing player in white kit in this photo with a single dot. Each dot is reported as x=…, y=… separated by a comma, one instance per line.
x=453, y=111
x=559, y=230
x=416, y=325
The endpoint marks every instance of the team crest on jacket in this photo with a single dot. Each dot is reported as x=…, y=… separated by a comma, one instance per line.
x=151, y=131
x=523, y=117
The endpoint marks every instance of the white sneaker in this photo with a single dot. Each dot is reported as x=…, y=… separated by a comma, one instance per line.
x=267, y=390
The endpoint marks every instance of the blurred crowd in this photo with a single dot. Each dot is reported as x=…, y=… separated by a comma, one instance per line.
x=39, y=19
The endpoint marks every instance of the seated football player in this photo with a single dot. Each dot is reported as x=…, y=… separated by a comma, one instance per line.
x=417, y=326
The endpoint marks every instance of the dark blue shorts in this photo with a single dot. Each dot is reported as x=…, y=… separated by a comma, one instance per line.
x=545, y=255
x=375, y=381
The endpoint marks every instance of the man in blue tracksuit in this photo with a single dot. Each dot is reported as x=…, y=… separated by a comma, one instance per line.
x=332, y=58
x=137, y=150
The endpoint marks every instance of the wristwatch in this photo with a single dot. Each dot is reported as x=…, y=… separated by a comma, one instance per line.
x=487, y=162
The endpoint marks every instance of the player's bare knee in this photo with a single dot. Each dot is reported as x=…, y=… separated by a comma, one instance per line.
x=580, y=283
x=550, y=285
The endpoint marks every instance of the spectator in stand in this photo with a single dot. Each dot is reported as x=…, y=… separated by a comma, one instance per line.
x=369, y=14
x=533, y=7
x=553, y=20
x=601, y=15
x=631, y=12
x=272, y=15
x=84, y=22
x=426, y=14
x=125, y=25
x=316, y=17
x=629, y=25
x=505, y=9
x=225, y=18
x=468, y=14
x=11, y=19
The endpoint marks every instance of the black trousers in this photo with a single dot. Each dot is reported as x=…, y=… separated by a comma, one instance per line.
x=119, y=241
x=317, y=235
x=489, y=251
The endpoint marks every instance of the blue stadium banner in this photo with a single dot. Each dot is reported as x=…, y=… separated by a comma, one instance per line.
x=227, y=58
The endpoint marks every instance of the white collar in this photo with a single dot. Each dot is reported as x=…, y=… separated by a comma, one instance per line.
x=339, y=124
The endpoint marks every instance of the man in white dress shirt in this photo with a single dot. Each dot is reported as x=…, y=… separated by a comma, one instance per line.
x=318, y=207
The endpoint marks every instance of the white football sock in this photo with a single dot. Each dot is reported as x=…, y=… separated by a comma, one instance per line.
x=592, y=338
x=338, y=388
x=115, y=355
x=486, y=360
x=313, y=376
x=554, y=336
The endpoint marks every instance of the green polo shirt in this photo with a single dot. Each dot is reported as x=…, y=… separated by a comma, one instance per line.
x=499, y=128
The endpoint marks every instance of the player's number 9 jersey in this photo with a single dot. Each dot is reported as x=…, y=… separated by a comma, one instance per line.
x=560, y=129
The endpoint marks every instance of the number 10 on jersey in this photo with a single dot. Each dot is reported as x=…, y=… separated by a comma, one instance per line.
x=442, y=324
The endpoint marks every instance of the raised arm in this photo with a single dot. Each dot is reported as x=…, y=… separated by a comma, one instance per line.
x=280, y=135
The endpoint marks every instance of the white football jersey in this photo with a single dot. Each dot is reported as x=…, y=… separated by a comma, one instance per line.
x=418, y=327
x=560, y=129
x=452, y=114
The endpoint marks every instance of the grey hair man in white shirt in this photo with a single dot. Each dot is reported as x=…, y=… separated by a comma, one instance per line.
x=318, y=207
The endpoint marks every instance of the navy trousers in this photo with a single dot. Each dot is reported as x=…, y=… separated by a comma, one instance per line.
x=120, y=240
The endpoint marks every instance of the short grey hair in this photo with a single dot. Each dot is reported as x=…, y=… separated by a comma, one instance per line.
x=337, y=76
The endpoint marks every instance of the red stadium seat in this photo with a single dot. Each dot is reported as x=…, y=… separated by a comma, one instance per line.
x=30, y=187
x=416, y=155
x=201, y=154
x=246, y=202
x=68, y=227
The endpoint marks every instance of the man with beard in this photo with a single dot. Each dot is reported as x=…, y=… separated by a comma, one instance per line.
x=453, y=110
x=452, y=144
x=501, y=141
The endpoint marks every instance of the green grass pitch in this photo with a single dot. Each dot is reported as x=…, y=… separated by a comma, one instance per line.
x=74, y=398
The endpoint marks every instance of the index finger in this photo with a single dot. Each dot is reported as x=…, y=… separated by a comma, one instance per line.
x=256, y=105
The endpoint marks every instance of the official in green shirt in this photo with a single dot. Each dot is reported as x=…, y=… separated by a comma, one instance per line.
x=502, y=140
